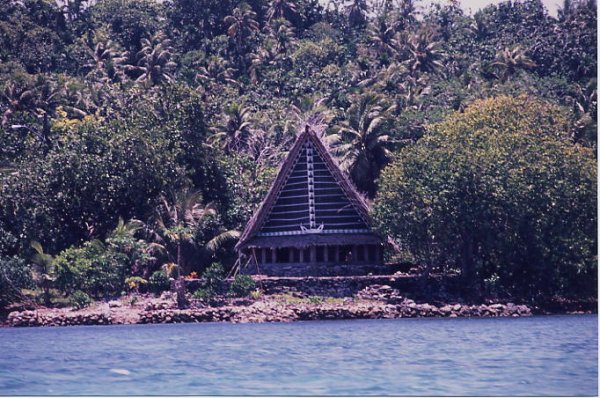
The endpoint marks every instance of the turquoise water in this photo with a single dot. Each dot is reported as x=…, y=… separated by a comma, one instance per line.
x=555, y=355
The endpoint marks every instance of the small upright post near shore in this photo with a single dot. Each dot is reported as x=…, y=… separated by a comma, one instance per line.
x=182, y=301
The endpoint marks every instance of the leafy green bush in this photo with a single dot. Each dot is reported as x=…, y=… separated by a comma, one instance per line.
x=311, y=54
x=80, y=300
x=242, y=285
x=158, y=282
x=315, y=300
x=141, y=254
x=204, y=294
x=211, y=283
x=134, y=283
x=213, y=277
x=92, y=269
x=14, y=276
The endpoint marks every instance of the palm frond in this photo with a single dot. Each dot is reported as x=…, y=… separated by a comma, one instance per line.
x=215, y=243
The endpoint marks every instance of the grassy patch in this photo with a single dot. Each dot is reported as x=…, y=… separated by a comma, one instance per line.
x=287, y=298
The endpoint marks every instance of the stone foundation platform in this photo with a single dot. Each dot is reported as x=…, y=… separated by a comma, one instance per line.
x=309, y=269
x=435, y=287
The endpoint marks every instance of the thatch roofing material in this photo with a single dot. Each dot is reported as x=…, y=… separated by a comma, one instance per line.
x=358, y=202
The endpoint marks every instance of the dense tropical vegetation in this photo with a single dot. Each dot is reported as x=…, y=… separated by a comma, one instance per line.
x=138, y=136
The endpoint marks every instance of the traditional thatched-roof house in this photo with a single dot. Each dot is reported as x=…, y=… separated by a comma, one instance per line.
x=312, y=221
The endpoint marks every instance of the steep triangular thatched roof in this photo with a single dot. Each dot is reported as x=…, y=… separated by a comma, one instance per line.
x=355, y=199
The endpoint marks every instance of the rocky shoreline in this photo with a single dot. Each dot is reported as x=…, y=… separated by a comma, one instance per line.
x=273, y=312
x=270, y=313
x=372, y=302
x=375, y=301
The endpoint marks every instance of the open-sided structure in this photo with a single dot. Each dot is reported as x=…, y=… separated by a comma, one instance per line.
x=312, y=221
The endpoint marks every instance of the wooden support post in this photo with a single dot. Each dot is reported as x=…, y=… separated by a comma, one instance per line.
x=274, y=254
x=301, y=250
x=313, y=254
x=325, y=254
x=354, y=259
x=263, y=255
x=337, y=254
x=254, y=258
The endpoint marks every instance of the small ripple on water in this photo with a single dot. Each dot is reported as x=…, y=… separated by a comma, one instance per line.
x=123, y=372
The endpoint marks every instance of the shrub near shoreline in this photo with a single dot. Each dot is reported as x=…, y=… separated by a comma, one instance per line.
x=502, y=193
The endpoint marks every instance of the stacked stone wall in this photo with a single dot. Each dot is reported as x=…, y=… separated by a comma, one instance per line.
x=307, y=269
x=435, y=287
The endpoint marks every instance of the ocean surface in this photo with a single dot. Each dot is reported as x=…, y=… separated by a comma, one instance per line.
x=549, y=355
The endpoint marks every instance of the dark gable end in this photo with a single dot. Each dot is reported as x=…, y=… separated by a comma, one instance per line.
x=310, y=202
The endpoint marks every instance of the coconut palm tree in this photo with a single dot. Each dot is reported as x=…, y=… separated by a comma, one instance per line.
x=380, y=33
x=241, y=24
x=141, y=254
x=123, y=232
x=267, y=143
x=357, y=13
x=175, y=225
x=106, y=62
x=313, y=111
x=263, y=56
x=43, y=270
x=407, y=14
x=48, y=97
x=74, y=9
x=232, y=135
x=413, y=91
x=154, y=60
x=283, y=35
x=510, y=60
x=217, y=71
x=388, y=78
x=282, y=9
x=310, y=107
x=40, y=98
x=78, y=100
x=261, y=148
x=17, y=99
x=364, y=146
x=584, y=102
x=421, y=52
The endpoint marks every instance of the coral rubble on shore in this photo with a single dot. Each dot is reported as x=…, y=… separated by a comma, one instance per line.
x=373, y=302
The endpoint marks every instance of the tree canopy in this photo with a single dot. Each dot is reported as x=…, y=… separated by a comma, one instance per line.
x=500, y=193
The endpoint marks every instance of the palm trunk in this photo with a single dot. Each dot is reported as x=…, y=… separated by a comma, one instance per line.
x=239, y=51
x=179, y=265
x=47, y=301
